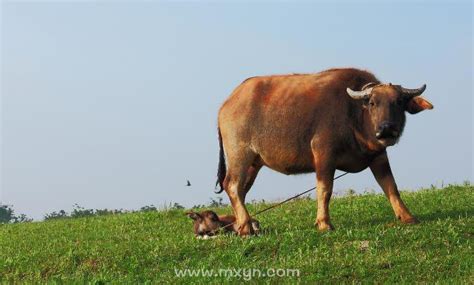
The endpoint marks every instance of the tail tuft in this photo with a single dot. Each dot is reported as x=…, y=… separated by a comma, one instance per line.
x=221, y=170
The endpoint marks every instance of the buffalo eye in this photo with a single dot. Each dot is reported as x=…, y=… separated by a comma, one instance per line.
x=365, y=101
x=371, y=103
x=213, y=217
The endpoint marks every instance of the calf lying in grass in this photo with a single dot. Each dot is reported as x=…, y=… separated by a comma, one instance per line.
x=208, y=224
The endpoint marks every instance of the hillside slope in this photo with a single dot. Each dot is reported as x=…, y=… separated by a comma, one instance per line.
x=368, y=245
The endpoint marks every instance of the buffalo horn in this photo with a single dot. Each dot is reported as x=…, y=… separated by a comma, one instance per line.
x=410, y=93
x=363, y=94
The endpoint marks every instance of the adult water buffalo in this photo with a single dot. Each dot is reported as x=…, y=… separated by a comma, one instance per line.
x=336, y=119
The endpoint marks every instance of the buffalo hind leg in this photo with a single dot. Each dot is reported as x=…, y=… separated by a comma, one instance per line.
x=252, y=173
x=236, y=182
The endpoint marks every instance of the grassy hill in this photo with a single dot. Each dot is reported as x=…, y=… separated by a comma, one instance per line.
x=368, y=245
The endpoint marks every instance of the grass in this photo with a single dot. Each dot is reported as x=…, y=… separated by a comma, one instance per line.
x=368, y=245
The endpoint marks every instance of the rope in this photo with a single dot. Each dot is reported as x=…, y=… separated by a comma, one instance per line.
x=294, y=197
x=285, y=201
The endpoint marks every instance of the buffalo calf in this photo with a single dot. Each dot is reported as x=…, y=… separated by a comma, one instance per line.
x=209, y=224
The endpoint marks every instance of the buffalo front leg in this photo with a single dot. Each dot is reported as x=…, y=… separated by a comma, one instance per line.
x=324, y=176
x=380, y=167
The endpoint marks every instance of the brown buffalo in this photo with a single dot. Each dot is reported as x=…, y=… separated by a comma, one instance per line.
x=336, y=119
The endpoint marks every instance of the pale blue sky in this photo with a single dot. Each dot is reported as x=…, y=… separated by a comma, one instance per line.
x=114, y=105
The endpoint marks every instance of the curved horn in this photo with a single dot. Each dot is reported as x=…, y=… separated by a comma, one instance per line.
x=412, y=92
x=370, y=84
x=364, y=94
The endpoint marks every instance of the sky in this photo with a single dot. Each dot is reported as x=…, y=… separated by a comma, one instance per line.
x=114, y=104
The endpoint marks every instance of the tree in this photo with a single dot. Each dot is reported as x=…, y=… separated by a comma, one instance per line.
x=80, y=212
x=177, y=206
x=6, y=214
x=22, y=218
x=218, y=202
x=56, y=215
x=150, y=208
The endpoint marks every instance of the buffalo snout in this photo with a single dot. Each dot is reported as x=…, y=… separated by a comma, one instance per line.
x=387, y=130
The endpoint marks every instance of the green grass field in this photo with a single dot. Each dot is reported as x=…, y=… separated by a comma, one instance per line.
x=368, y=245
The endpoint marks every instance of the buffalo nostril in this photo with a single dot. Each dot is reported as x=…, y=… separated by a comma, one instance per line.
x=381, y=132
x=387, y=130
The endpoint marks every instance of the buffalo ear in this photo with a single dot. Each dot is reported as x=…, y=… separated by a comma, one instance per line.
x=194, y=216
x=418, y=104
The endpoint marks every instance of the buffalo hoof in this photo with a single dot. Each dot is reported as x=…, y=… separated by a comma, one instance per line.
x=324, y=226
x=246, y=230
x=410, y=221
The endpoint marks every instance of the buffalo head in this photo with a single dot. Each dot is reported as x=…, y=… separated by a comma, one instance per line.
x=386, y=105
x=205, y=223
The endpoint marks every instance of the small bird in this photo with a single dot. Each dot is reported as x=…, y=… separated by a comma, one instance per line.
x=188, y=184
